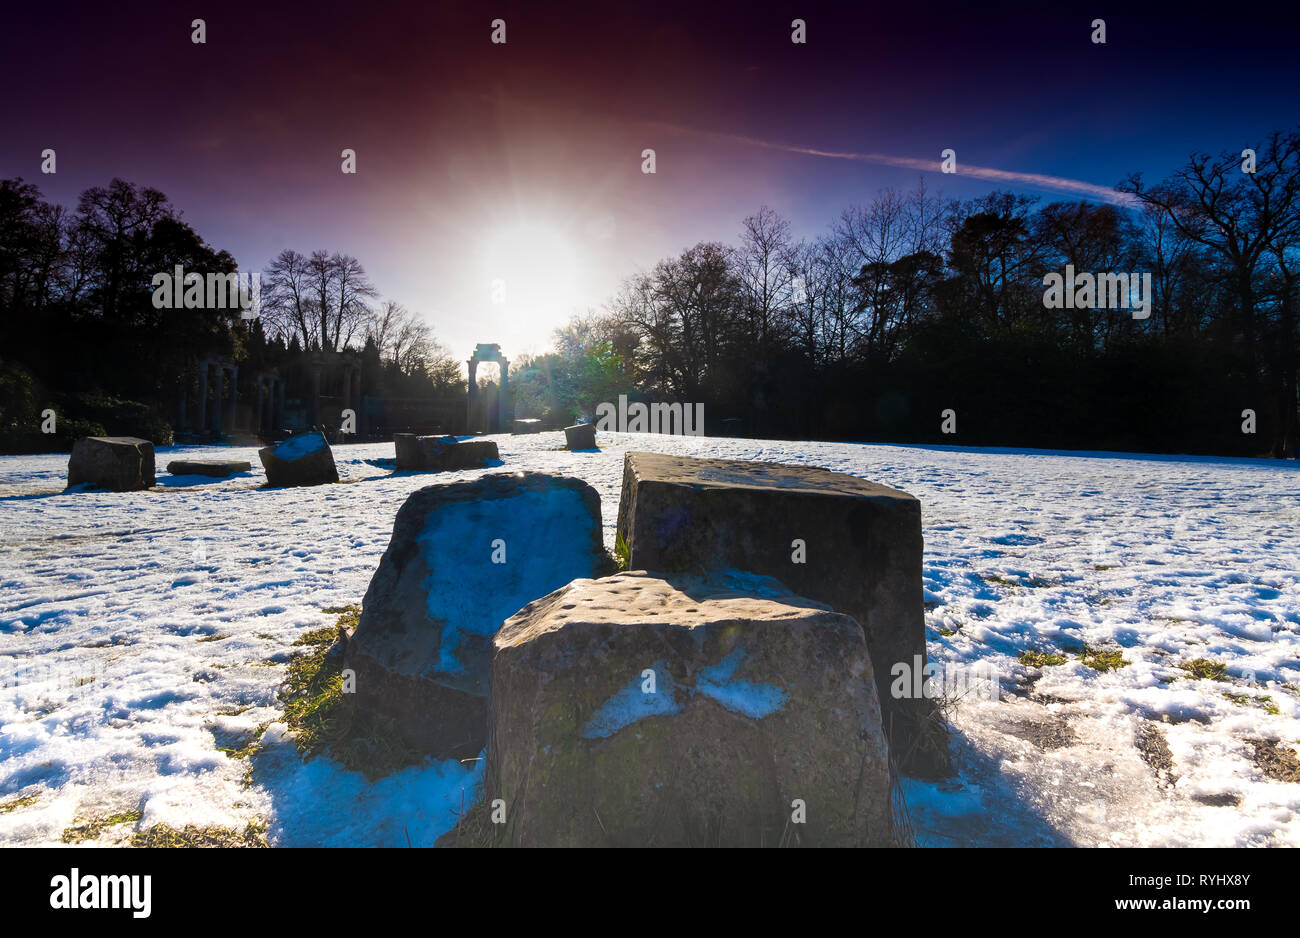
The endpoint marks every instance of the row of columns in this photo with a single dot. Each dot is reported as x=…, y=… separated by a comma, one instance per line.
x=270, y=403
x=220, y=408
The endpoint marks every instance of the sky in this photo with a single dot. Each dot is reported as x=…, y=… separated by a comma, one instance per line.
x=521, y=161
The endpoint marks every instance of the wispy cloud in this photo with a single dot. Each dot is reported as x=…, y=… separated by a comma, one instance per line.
x=1009, y=177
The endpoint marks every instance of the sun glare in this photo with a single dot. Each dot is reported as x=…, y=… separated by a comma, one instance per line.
x=531, y=267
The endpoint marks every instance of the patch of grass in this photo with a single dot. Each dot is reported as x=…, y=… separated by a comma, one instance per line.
x=946, y=632
x=22, y=801
x=234, y=711
x=1041, y=659
x=1244, y=700
x=1206, y=670
x=83, y=681
x=160, y=835
x=1103, y=659
x=622, y=553
x=998, y=580
x=253, y=746
x=1276, y=761
x=219, y=637
x=92, y=829
x=324, y=720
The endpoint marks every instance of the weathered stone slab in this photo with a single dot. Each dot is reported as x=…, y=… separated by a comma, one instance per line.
x=463, y=558
x=527, y=425
x=832, y=537
x=638, y=711
x=116, y=463
x=207, y=467
x=436, y=453
x=580, y=436
x=304, y=459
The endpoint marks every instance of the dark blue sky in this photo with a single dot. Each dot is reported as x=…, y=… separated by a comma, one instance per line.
x=468, y=152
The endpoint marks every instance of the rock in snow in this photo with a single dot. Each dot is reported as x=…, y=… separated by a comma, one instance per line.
x=434, y=453
x=463, y=558
x=638, y=711
x=304, y=459
x=832, y=537
x=116, y=463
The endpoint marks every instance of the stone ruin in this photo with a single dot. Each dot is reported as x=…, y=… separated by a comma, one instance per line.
x=437, y=453
x=116, y=463
x=303, y=459
x=736, y=673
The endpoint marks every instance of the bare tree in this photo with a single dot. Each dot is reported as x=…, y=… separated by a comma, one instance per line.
x=323, y=299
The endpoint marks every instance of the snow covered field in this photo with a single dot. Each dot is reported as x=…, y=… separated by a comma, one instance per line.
x=140, y=631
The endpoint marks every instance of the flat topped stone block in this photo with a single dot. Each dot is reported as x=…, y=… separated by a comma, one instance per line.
x=527, y=425
x=436, y=453
x=463, y=558
x=304, y=459
x=580, y=436
x=641, y=711
x=852, y=544
x=116, y=463
x=207, y=467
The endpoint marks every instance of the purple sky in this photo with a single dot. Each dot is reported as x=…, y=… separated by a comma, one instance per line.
x=522, y=161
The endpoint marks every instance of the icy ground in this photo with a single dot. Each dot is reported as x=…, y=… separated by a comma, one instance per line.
x=134, y=629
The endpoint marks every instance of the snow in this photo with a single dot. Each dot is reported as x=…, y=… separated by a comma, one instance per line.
x=111, y=700
x=486, y=565
x=299, y=446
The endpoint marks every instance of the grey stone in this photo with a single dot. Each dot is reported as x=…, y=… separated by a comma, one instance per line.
x=436, y=453
x=862, y=551
x=303, y=459
x=116, y=463
x=580, y=436
x=207, y=467
x=527, y=425
x=759, y=698
x=422, y=648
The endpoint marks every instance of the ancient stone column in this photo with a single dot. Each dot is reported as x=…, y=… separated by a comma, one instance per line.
x=260, y=420
x=503, y=396
x=203, y=396
x=234, y=397
x=473, y=394
x=219, y=404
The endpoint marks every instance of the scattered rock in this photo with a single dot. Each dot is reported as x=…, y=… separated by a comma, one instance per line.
x=205, y=467
x=639, y=711
x=304, y=459
x=463, y=558
x=1053, y=733
x=116, y=463
x=580, y=436
x=436, y=453
x=834, y=538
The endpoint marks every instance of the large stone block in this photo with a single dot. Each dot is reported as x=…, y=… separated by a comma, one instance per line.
x=116, y=463
x=638, y=711
x=304, y=459
x=463, y=558
x=435, y=453
x=834, y=538
x=580, y=436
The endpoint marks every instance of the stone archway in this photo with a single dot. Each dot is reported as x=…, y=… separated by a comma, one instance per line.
x=489, y=352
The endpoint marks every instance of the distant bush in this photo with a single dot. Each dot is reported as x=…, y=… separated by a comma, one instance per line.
x=113, y=417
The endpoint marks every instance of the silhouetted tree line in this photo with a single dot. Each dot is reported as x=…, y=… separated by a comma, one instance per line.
x=80, y=334
x=910, y=305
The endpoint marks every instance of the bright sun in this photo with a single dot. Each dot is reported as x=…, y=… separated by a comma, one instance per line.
x=532, y=267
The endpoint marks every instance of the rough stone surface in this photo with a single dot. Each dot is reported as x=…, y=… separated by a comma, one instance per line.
x=435, y=453
x=304, y=459
x=862, y=551
x=463, y=558
x=580, y=436
x=116, y=463
x=207, y=467
x=760, y=698
x=527, y=425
